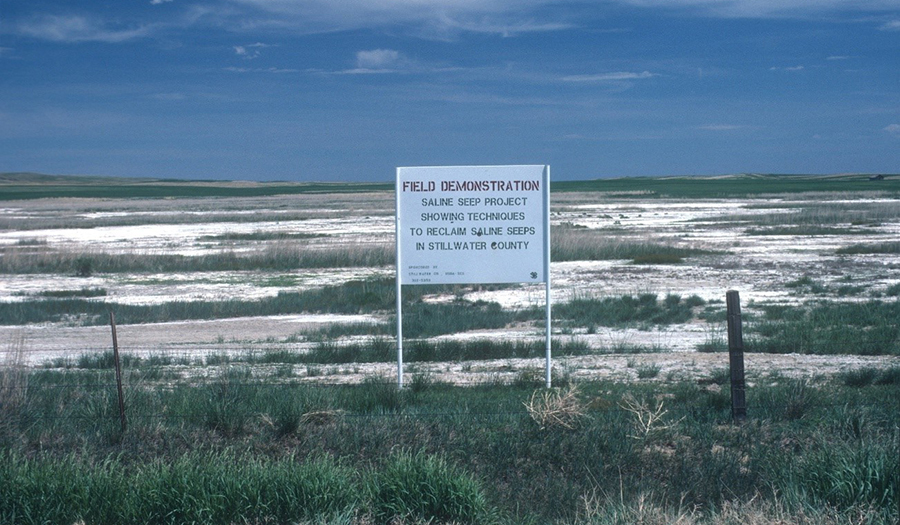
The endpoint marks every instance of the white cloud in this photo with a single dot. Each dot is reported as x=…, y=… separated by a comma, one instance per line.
x=249, y=51
x=78, y=29
x=893, y=25
x=769, y=8
x=510, y=17
x=158, y=2
x=893, y=129
x=790, y=68
x=500, y=26
x=377, y=59
x=617, y=76
x=432, y=19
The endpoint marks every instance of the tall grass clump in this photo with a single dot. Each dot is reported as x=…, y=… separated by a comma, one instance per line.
x=862, y=328
x=352, y=297
x=279, y=256
x=200, y=488
x=376, y=395
x=869, y=375
x=642, y=310
x=848, y=475
x=807, y=284
x=428, y=320
x=872, y=248
x=426, y=488
x=378, y=350
x=84, y=292
x=226, y=488
x=13, y=386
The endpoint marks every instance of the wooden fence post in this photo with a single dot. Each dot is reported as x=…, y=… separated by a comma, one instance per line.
x=112, y=324
x=736, y=357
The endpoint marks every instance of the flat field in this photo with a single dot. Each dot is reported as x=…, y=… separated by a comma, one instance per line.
x=192, y=274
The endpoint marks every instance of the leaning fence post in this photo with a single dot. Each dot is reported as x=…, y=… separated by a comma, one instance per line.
x=112, y=324
x=736, y=357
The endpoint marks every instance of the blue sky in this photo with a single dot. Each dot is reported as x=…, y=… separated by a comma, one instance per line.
x=347, y=90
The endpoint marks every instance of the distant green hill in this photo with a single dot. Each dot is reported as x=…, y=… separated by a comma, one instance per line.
x=18, y=186
x=733, y=185
x=41, y=178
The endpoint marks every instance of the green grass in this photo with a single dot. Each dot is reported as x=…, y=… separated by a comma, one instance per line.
x=817, y=216
x=420, y=319
x=218, y=487
x=807, y=284
x=426, y=488
x=872, y=248
x=349, y=298
x=57, y=294
x=866, y=376
x=378, y=350
x=231, y=448
x=648, y=372
x=232, y=487
x=860, y=328
x=277, y=257
x=644, y=310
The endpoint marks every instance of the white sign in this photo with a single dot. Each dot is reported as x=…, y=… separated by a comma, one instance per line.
x=473, y=224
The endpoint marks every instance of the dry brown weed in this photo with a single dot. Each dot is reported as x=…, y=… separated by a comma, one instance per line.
x=556, y=408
